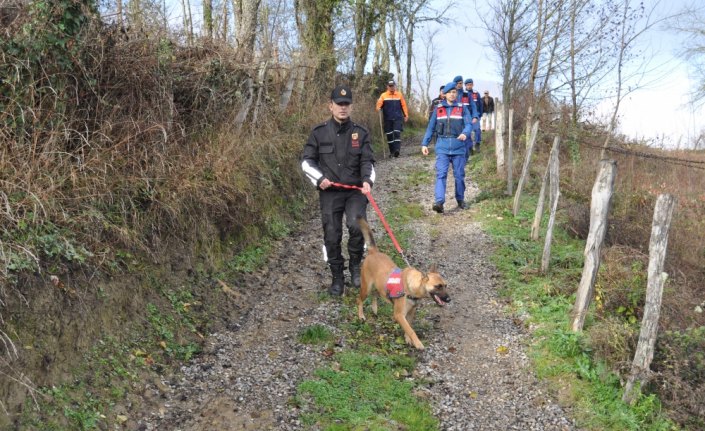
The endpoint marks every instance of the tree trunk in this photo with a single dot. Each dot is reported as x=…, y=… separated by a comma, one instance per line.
x=396, y=56
x=224, y=26
x=409, y=54
x=188, y=17
x=654, y=292
x=573, y=90
x=525, y=168
x=119, y=15
x=208, y=18
x=246, y=13
x=366, y=26
x=599, y=208
x=314, y=20
x=382, y=45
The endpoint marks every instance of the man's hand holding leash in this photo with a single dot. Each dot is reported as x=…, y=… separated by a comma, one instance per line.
x=365, y=189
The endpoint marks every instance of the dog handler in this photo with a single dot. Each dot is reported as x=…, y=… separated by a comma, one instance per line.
x=452, y=124
x=339, y=151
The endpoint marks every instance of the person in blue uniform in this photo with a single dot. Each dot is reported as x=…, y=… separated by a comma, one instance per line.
x=451, y=122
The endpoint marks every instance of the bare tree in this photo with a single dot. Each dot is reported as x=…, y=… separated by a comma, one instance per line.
x=411, y=14
x=188, y=20
x=246, y=14
x=691, y=23
x=393, y=33
x=634, y=20
x=118, y=5
x=430, y=62
x=208, y=18
x=508, y=26
x=367, y=15
x=314, y=19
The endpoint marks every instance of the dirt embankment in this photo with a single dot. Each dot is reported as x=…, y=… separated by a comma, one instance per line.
x=474, y=359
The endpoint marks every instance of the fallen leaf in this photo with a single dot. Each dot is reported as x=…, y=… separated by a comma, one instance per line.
x=162, y=344
x=502, y=350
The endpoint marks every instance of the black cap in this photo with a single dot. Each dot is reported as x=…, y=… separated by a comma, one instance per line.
x=391, y=83
x=341, y=94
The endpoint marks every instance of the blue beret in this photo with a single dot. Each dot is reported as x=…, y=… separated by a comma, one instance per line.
x=449, y=86
x=468, y=81
x=458, y=78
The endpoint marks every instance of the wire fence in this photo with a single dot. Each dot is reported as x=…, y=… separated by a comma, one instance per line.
x=693, y=164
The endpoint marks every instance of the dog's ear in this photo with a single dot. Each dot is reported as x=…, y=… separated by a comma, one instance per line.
x=434, y=268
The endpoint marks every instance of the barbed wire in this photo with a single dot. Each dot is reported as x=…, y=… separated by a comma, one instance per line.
x=694, y=164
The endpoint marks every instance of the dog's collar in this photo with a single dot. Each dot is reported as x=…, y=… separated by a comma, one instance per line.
x=413, y=298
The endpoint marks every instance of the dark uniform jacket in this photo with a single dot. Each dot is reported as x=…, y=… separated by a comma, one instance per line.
x=488, y=104
x=340, y=152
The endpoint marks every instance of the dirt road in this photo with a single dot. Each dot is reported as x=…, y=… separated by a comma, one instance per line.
x=474, y=354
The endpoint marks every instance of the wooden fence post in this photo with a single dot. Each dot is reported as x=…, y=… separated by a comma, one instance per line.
x=525, y=168
x=510, y=155
x=663, y=213
x=599, y=208
x=536, y=225
x=499, y=140
x=554, y=164
x=538, y=214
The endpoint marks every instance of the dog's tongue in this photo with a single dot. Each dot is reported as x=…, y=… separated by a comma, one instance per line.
x=438, y=300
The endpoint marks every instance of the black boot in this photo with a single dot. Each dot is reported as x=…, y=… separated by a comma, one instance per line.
x=337, y=287
x=354, y=266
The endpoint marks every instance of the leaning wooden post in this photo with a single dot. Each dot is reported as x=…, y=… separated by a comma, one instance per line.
x=510, y=155
x=599, y=208
x=525, y=167
x=554, y=164
x=538, y=215
x=663, y=213
x=499, y=140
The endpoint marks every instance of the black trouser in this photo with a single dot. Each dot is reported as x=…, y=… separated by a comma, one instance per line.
x=393, y=128
x=334, y=204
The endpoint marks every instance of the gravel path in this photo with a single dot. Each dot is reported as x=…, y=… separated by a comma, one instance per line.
x=474, y=353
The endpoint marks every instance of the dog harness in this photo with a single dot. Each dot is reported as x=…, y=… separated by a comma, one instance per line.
x=395, y=289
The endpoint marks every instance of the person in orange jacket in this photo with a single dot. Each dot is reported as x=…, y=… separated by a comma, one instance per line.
x=395, y=113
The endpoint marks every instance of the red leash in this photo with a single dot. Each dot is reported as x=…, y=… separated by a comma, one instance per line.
x=380, y=215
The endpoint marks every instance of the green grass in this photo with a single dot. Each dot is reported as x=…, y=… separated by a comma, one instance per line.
x=560, y=356
x=315, y=334
x=363, y=391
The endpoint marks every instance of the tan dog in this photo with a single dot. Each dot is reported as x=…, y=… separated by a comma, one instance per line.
x=377, y=271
